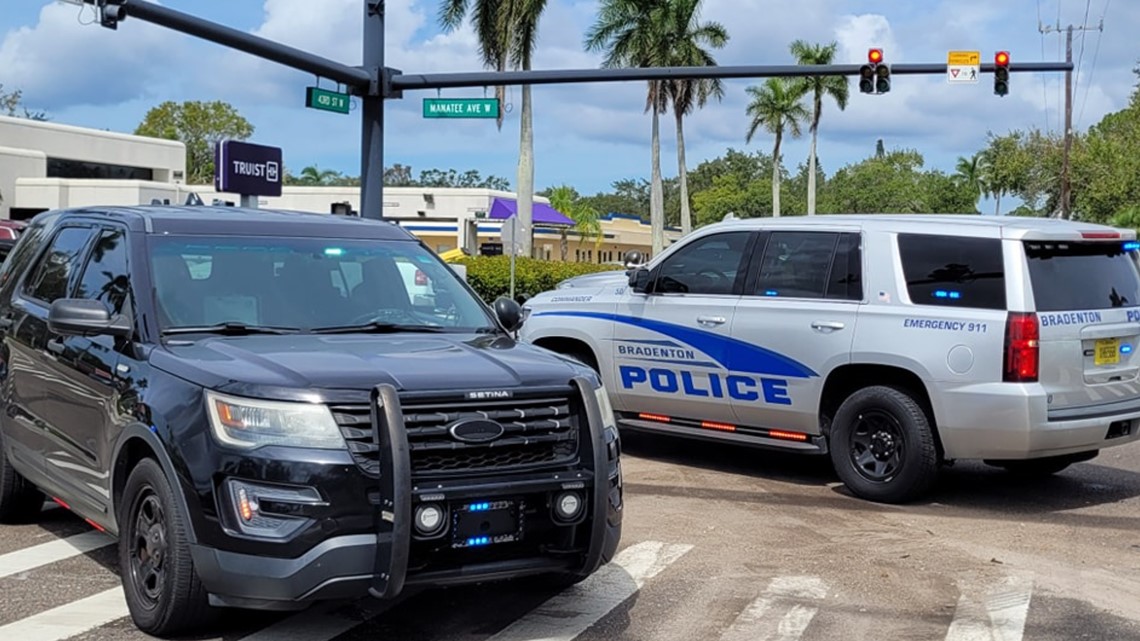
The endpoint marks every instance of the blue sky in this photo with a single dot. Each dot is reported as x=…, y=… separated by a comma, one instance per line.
x=585, y=135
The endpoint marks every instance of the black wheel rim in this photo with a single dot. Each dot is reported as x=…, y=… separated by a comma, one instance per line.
x=878, y=446
x=148, y=550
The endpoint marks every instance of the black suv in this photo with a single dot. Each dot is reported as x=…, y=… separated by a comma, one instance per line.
x=271, y=408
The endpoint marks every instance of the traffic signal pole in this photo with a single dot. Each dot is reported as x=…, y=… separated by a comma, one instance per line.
x=374, y=82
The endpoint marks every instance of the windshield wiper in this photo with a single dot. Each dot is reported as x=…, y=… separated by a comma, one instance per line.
x=376, y=327
x=229, y=328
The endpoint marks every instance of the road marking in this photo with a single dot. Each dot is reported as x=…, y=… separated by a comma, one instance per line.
x=52, y=551
x=69, y=620
x=570, y=613
x=994, y=612
x=778, y=614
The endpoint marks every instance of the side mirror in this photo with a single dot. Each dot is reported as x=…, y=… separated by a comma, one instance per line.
x=509, y=313
x=85, y=317
x=639, y=280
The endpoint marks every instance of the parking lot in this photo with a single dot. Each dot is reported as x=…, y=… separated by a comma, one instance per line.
x=719, y=543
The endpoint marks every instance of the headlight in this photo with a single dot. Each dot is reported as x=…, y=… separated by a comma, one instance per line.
x=250, y=423
x=607, y=410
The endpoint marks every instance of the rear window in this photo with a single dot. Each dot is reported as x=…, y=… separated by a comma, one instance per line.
x=953, y=271
x=1069, y=276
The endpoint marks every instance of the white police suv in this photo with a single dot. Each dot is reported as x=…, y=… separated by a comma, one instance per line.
x=895, y=343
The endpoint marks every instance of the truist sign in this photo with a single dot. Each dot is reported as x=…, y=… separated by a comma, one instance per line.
x=247, y=169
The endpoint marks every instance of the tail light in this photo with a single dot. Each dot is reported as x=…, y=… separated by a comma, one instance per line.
x=421, y=278
x=1022, y=348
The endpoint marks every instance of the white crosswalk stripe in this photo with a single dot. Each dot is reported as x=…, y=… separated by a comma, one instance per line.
x=69, y=620
x=992, y=611
x=35, y=556
x=780, y=613
x=572, y=612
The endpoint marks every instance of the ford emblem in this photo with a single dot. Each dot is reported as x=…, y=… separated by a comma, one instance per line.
x=475, y=430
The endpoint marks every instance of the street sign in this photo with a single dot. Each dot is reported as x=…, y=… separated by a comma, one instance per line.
x=247, y=169
x=509, y=235
x=325, y=100
x=461, y=107
x=963, y=67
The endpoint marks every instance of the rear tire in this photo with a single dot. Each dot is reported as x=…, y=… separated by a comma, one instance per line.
x=162, y=589
x=20, y=501
x=882, y=445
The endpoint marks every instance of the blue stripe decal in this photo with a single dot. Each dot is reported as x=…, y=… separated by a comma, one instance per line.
x=680, y=362
x=734, y=355
x=647, y=342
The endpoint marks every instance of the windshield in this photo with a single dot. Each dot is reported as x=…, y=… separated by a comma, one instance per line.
x=306, y=284
x=1072, y=275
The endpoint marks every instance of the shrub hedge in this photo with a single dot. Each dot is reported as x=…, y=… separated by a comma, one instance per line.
x=490, y=276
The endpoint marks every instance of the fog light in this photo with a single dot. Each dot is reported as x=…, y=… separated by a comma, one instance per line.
x=429, y=519
x=567, y=506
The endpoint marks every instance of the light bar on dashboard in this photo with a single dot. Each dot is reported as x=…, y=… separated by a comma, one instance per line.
x=1131, y=246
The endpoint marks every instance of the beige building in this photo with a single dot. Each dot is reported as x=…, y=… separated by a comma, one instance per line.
x=47, y=165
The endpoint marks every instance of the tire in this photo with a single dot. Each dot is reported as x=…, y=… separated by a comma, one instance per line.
x=164, y=598
x=882, y=445
x=20, y=501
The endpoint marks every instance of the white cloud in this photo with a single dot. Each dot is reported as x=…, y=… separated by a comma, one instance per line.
x=66, y=60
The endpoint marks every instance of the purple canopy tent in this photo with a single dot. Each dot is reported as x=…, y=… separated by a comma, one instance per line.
x=541, y=213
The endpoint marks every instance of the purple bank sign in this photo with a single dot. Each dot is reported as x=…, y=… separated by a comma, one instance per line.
x=247, y=169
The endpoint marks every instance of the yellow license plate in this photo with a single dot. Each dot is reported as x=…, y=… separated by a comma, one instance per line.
x=1107, y=351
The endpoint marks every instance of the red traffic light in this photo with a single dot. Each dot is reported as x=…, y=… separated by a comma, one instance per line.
x=875, y=56
x=1001, y=58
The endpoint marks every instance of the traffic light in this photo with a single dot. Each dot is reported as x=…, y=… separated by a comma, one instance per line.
x=874, y=77
x=1001, y=73
x=111, y=12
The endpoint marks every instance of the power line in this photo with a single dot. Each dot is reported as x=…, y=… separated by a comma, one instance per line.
x=1081, y=55
x=1092, y=68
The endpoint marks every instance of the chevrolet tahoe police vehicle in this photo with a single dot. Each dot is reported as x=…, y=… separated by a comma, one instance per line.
x=896, y=344
x=271, y=408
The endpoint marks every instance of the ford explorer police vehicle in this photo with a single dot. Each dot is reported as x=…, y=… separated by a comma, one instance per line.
x=271, y=408
x=894, y=343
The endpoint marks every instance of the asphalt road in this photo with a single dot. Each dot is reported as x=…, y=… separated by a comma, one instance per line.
x=723, y=544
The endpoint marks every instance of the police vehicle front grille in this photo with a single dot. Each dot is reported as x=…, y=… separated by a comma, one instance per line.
x=539, y=431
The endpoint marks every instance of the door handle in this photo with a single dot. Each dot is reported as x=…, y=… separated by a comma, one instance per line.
x=55, y=347
x=712, y=320
x=825, y=326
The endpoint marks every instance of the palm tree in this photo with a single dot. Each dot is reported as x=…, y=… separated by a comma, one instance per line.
x=633, y=33
x=972, y=171
x=689, y=36
x=507, y=31
x=586, y=223
x=819, y=87
x=777, y=106
x=313, y=175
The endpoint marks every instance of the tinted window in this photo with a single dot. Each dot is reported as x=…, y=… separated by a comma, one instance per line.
x=708, y=265
x=306, y=283
x=58, y=266
x=31, y=240
x=796, y=264
x=846, y=279
x=1082, y=275
x=954, y=271
x=106, y=277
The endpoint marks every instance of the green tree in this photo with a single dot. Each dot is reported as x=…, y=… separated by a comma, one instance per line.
x=12, y=105
x=691, y=43
x=820, y=87
x=634, y=33
x=1106, y=166
x=891, y=184
x=777, y=106
x=586, y=224
x=972, y=173
x=199, y=126
x=507, y=31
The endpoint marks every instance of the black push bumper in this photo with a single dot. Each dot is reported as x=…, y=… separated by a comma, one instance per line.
x=351, y=566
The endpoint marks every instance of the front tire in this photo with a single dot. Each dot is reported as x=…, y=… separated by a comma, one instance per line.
x=162, y=590
x=20, y=501
x=882, y=445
